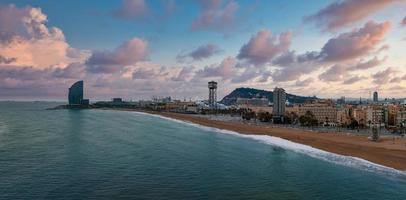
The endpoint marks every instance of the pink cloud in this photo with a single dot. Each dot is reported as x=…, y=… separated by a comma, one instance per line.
x=144, y=73
x=200, y=53
x=263, y=47
x=304, y=83
x=353, y=79
x=25, y=37
x=226, y=69
x=184, y=74
x=343, y=13
x=383, y=77
x=341, y=50
x=367, y=64
x=356, y=43
x=215, y=16
x=334, y=73
x=131, y=9
x=128, y=53
x=403, y=23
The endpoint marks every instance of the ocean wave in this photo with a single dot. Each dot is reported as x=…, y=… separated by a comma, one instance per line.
x=348, y=161
x=3, y=127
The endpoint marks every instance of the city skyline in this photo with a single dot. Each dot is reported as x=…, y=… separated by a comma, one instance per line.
x=138, y=49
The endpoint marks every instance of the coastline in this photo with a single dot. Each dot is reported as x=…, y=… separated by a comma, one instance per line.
x=389, y=153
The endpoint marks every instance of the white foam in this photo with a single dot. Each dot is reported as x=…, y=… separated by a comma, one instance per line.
x=349, y=161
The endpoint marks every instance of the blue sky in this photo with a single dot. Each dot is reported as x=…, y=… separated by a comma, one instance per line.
x=149, y=44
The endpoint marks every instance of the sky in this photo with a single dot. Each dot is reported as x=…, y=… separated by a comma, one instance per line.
x=136, y=49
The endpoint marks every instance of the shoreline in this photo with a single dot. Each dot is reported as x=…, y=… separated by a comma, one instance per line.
x=386, y=152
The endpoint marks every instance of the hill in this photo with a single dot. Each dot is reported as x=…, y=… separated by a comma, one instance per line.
x=231, y=98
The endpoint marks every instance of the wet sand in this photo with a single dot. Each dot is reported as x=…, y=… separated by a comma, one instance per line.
x=387, y=151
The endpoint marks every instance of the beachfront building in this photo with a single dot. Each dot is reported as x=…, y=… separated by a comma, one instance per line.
x=323, y=110
x=343, y=117
x=279, y=99
x=360, y=115
x=181, y=106
x=400, y=117
x=258, y=109
x=390, y=114
x=292, y=109
x=375, y=116
x=75, y=95
x=257, y=102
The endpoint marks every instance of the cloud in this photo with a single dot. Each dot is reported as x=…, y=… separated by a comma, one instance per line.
x=215, y=16
x=26, y=22
x=304, y=83
x=246, y=75
x=132, y=9
x=4, y=60
x=367, y=64
x=230, y=70
x=184, y=74
x=72, y=71
x=398, y=79
x=128, y=53
x=263, y=47
x=225, y=70
x=383, y=77
x=342, y=51
x=26, y=39
x=353, y=79
x=343, y=13
x=291, y=66
x=144, y=73
x=202, y=52
x=285, y=58
x=24, y=73
x=403, y=23
x=356, y=43
x=339, y=72
x=334, y=73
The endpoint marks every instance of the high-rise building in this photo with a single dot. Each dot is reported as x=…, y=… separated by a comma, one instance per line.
x=212, y=94
x=279, y=99
x=75, y=96
x=375, y=99
x=341, y=100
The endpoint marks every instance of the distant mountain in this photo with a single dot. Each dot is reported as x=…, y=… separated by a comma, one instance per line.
x=231, y=98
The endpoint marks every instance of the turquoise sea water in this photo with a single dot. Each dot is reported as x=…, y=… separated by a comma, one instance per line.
x=94, y=154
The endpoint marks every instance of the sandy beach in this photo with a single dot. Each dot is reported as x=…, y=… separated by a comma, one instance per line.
x=388, y=151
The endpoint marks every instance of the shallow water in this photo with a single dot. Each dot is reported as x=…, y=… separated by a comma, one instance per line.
x=65, y=154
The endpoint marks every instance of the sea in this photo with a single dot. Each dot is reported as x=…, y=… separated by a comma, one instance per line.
x=101, y=154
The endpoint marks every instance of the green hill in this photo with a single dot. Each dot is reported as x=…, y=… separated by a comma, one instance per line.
x=231, y=98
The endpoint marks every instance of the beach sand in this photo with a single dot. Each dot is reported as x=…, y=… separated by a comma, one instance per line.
x=388, y=151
